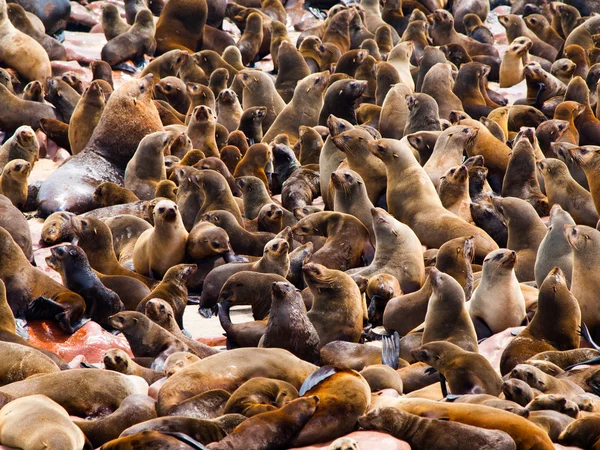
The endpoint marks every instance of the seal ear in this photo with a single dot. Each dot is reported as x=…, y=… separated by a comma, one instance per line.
x=135, y=320
x=72, y=252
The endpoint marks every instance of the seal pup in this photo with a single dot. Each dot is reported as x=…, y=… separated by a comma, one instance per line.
x=149, y=257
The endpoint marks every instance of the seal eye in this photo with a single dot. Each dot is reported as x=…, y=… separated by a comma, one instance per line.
x=161, y=210
x=142, y=88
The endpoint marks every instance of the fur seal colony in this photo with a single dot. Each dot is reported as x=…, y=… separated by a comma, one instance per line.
x=401, y=196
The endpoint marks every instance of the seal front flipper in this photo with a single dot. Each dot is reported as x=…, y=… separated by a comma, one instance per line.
x=481, y=328
x=230, y=256
x=207, y=313
x=86, y=365
x=390, y=350
x=185, y=439
x=584, y=332
x=193, y=300
x=124, y=67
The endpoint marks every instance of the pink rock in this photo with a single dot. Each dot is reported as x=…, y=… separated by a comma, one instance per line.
x=493, y=347
x=90, y=342
x=367, y=440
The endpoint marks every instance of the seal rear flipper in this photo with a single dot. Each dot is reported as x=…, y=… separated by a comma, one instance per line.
x=43, y=308
x=125, y=68
x=316, y=377
x=22, y=328
x=86, y=365
x=390, y=350
x=584, y=332
x=582, y=363
x=230, y=256
x=185, y=439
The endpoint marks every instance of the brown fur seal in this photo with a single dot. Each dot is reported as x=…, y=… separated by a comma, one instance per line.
x=584, y=244
x=275, y=260
x=251, y=39
x=134, y=409
x=554, y=250
x=524, y=433
x=146, y=338
x=217, y=195
x=24, y=112
x=355, y=145
x=130, y=116
x=260, y=395
x=561, y=188
x=47, y=422
x=36, y=64
x=587, y=159
x=181, y=26
x=173, y=290
x=447, y=318
x=250, y=288
x=334, y=417
x=101, y=391
x=276, y=428
x=148, y=255
x=498, y=270
x=454, y=192
x=95, y=238
x=242, y=241
x=134, y=43
x=259, y=90
x=525, y=233
x=544, y=382
x=303, y=109
x=13, y=182
x=146, y=168
x=21, y=145
x=405, y=260
x=554, y=301
x=112, y=23
x=254, y=163
x=22, y=362
x=336, y=228
x=110, y=194
x=119, y=361
x=424, y=433
x=161, y=313
x=433, y=224
x=33, y=294
x=521, y=180
x=288, y=325
x=351, y=197
x=406, y=312
x=72, y=264
x=241, y=364
x=342, y=295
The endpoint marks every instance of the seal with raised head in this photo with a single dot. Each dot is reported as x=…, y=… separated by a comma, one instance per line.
x=129, y=116
x=149, y=257
x=423, y=211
